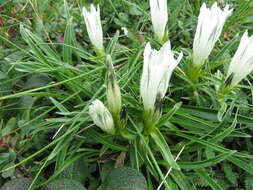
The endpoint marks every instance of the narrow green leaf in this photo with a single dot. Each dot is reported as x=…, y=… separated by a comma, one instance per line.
x=164, y=148
x=212, y=183
x=225, y=133
x=242, y=164
x=68, y=42
x=212, y=145
x=112, y=44
x=205, y=163
x=169, y=114
x=103, y=140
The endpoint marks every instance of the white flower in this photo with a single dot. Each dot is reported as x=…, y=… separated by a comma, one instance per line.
x=101, y=116
x=94, y=27
x=157, y=70
x=242, y=62
x=210, y=24
x=159, y=16
x=113, y=90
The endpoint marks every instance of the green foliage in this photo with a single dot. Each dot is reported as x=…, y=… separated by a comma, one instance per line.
x=78, y=171
x=230, y=175
x=125, y=179
x=65, y=184
x=49, y=74
x=248, y=182
x=16, y=184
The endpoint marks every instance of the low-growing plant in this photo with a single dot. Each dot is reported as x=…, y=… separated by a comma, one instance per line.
x=145, y=104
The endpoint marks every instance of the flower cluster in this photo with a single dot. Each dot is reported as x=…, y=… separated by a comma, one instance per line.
x=157, y=70
x=159, y=64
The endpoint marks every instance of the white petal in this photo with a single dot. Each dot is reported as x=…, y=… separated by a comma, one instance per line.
x=94, y=26
x=242, y=62
x=159, y=16
x=101, y=116
x=157, y=69
x=209, y=28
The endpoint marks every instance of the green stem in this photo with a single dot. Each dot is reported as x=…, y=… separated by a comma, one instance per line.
x=149, y=122
x=194, y=72
x=223, y=92
x=117, y=121
x=100, y=53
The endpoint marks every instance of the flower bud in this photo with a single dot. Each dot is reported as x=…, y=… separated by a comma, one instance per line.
x=113, y=90
x=242, y=62
x=210, y=24
x=101, y=116
x=159, y=17
x=94, y=27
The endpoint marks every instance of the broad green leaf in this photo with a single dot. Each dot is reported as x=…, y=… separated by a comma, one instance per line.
x=125, y=178
x=65, y=184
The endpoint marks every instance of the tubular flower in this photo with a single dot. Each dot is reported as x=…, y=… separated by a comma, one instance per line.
x=101, y=116
x=94, y=27
x=157, y=70
x=242, y=62
x=113, y=90
x=210, y=24
x=159, y=17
